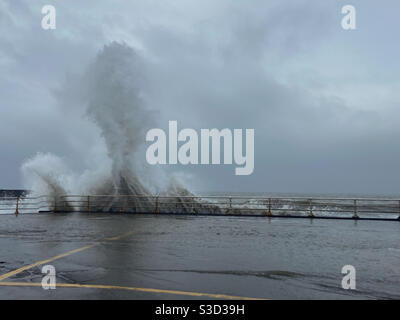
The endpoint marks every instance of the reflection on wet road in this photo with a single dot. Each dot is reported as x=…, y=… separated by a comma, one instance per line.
x=242, y=257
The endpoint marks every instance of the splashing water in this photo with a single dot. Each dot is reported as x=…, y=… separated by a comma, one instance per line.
x=109, y=92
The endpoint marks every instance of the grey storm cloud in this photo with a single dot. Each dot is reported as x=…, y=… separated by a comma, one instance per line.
x=323, y=101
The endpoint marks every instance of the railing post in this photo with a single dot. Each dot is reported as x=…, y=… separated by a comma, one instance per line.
x=355, y=216
x=230, y=205
x=55, y=203
x=399, y=211
x=156, y=208
x=120, y=203
x=88, y=204
x=310, y=214
x=193, y=206
x=16, y=208
x=269, y=213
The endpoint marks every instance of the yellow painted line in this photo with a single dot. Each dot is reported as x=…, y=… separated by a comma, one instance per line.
x=9, y=236
x=94, y=286
x=120, y=236
x=148, y=290
x=14, y=272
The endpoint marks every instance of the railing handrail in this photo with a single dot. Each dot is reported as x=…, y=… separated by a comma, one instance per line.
x=225, y=203
x=305, y=198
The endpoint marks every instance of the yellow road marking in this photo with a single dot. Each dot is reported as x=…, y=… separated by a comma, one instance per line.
x=151, y=290
x=95, y=286
x=120, y=236
x=14, y=272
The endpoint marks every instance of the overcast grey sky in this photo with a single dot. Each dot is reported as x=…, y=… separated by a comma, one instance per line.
x=324, y=102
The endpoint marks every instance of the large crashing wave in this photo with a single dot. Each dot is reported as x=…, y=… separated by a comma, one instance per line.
x=110, y=93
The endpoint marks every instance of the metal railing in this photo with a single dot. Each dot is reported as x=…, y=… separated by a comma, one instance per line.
x=346, y=208
x=29, y=204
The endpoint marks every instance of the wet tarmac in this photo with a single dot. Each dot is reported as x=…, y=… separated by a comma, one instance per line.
x=122, y=256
